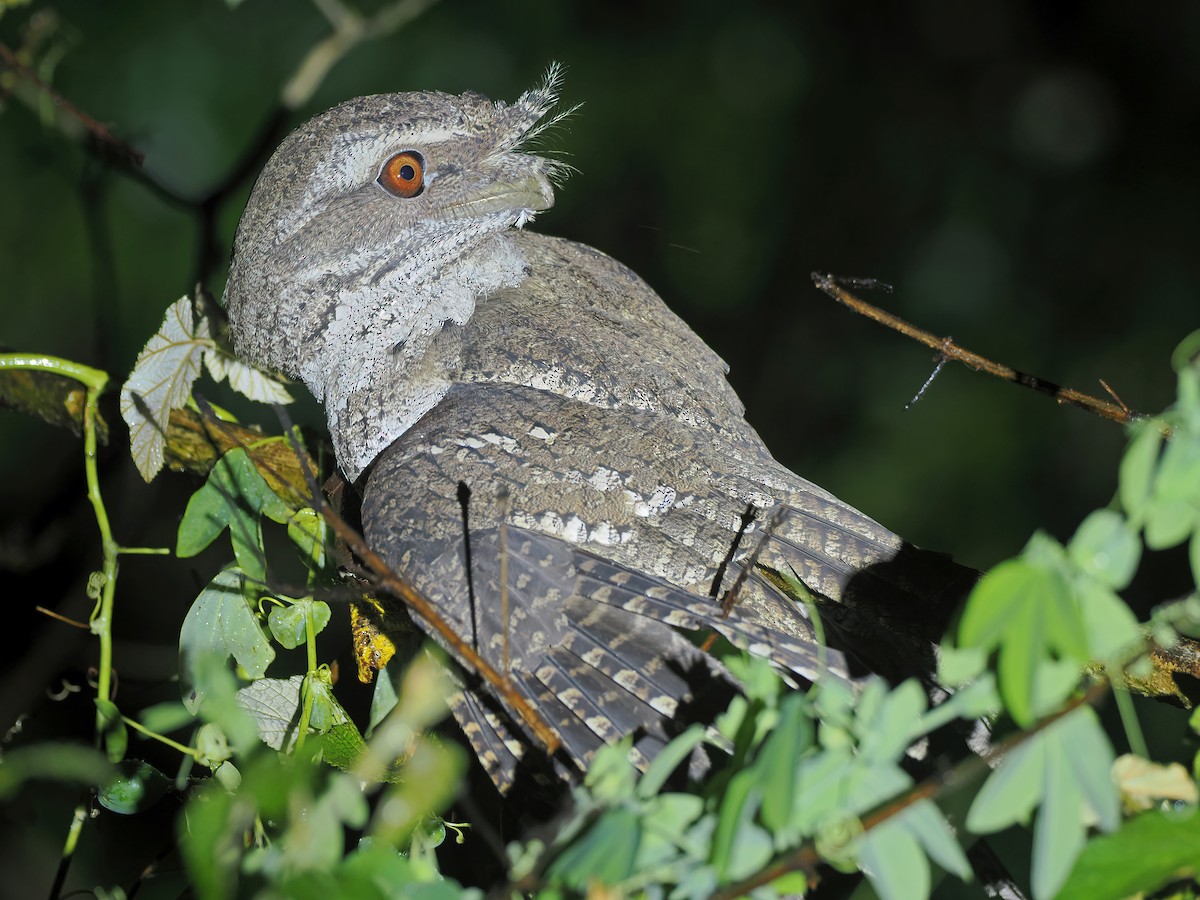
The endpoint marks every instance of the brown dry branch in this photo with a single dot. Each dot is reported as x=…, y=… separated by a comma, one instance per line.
x=950, y=351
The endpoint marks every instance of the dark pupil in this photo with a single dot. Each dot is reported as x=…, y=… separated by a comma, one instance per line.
x=407, y=173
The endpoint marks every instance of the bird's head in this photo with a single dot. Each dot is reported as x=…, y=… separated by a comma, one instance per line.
x=363, y=232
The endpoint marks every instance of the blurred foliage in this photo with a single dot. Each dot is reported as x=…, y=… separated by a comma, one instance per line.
x=1024, y=173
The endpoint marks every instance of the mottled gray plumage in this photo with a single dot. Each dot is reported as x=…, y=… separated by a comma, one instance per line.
x=449, y=346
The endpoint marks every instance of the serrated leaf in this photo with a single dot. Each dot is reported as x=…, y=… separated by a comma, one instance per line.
x=274, y=704
x=1145, y=854
x=247, y=380
x=161, y=381
x=1105, y=547
x=221, y=624
x=138, y=787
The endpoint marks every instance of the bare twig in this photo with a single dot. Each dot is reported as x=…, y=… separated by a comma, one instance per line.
x=96, y=129
x=948, y=350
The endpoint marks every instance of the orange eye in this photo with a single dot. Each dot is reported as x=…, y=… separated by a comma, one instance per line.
x=403, y=174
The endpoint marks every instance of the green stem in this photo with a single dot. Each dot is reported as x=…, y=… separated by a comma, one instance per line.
x=93, y=379
x=1129, y=720
x=139, y=727
x=306, y=689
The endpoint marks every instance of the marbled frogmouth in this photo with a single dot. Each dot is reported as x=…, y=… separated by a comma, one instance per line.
x=381, y=259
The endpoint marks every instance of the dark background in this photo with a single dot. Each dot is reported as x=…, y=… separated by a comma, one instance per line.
x=1025, y=173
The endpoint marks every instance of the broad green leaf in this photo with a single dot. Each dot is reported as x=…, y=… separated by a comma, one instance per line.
x=1011, y=791
x=1169, y=521
x=1137, y=467
x=1028, y=611
x=289, y=624
x=1105, y=547
x=887, y=734
x=668, y=760
x=138, y=787
x=1144, y=855
x=775, y=767
x=926, y=822
x=233, y=496
x=246, y=380
x=820, y=788
x=1179, y=469
x=52, y=761
x=306, y=528
x=161, y=381
x=604, y=855
x=204, y=841
x=221, y=623
x=1194, y=555
x=163, y=718
x=894, y=862
x=739, y=804
x=1083, y=743
x=1108, y=622
x=1059, y=830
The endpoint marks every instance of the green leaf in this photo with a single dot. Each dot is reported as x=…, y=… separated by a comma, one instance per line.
x=611, y=776
x=1179, y=469
x=1105, y=547
x=887, y=734
x=1011, y=791
x=604, y=855
x=739, y=804
x=1108, y=622
x=668, y=760
x=138, y=787
x=52, y=761
x=289, y=623
x=1082, y=741
x=1059, y=831
x=1137, y=467
x=221, y=623
x=1028, y=611
x=775, y=767
x=234, y=495
x=306, y=528
x=163, y=718
x=1194, y=556
x=1147, y=852
x=926, y=822
x=274, y=705
x=1169, y=521
x=894, y=863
